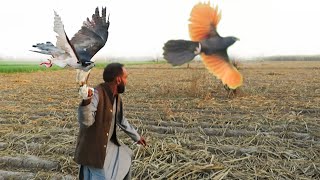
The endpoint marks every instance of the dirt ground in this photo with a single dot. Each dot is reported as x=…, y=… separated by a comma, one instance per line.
x=269, y=130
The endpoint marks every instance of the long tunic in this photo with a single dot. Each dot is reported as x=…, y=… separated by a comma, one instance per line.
x=118, y=158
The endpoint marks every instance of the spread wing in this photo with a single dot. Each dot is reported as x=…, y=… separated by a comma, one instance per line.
x=63, y=41
x=91, y=37
x=218, y=64
x=203, y=21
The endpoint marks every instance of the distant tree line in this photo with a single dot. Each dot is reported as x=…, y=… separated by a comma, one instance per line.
x=291, y=58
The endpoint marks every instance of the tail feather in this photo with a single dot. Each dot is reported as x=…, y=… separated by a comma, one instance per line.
x=47, y=48
x=178, y=58
x=178, y=52
x=41, y=52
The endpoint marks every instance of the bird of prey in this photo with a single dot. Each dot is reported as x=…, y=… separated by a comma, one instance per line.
x=77, y=52
x=206, y=41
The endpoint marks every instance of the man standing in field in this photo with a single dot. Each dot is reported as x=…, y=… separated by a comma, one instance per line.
x=98, y=151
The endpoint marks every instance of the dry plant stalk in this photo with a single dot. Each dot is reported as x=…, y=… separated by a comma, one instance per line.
x=271, y=132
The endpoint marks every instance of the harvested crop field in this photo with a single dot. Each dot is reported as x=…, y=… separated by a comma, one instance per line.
x=269, y=130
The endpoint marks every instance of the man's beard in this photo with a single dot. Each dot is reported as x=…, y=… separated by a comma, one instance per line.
x=121, y=88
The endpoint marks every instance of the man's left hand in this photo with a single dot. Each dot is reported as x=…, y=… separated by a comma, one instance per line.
x=142, y=141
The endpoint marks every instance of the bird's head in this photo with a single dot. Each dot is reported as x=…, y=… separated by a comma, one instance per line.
x=230, y=40
x=233, y=39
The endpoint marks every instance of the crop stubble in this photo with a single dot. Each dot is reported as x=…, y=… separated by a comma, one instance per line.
x=270, y=130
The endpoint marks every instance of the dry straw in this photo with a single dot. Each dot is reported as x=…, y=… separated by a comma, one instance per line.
x=193, y=130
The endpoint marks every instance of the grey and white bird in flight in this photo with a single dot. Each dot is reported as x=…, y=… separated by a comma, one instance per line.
x=77, y=52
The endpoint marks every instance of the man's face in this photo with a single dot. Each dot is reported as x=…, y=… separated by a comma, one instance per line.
x=122, y=81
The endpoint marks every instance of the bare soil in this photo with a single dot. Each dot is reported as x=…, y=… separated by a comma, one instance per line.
x=194, y=130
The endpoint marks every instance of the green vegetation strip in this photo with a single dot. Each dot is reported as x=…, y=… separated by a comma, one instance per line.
x=25, y=67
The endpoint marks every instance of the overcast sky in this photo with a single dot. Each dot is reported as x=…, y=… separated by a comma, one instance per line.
x=141, y=27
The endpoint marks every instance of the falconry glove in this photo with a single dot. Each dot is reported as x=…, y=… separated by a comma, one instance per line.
x=86, y=92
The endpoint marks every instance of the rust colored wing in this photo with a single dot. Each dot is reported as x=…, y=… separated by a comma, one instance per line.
x=203, y=21
x=223, y=70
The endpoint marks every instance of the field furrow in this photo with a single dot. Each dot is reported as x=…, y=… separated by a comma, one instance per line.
x=269, y=130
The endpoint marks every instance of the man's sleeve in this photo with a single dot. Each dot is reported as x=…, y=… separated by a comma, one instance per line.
x=126, y=127
x=87, y=113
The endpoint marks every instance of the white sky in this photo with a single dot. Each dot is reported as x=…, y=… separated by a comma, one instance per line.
x=141, y=27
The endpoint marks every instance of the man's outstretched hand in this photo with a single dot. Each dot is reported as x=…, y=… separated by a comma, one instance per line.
x=142, y=141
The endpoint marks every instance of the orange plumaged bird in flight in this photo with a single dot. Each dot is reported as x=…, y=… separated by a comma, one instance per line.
x=206, y=42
